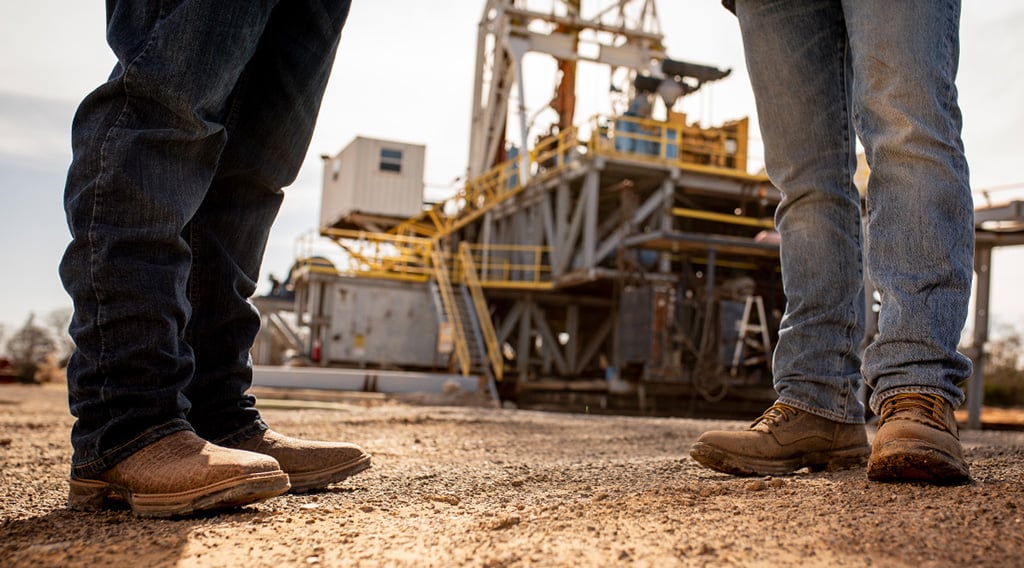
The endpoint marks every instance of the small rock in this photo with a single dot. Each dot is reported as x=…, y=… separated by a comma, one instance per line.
x=756, y=485
x=450, y=499
x=504, y=522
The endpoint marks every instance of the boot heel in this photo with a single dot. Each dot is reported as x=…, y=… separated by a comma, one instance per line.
x=86, y=495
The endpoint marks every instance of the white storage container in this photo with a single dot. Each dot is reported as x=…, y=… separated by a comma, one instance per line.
x=375, y=177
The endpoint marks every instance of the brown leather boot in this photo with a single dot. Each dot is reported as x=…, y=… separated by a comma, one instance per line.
x=180, y=474
x=781, y=441
x=918, y=440
x=309, y=464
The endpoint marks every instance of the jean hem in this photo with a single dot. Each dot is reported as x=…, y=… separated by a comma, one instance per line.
x=820, y=412
x=878, y=397
x=112, y=457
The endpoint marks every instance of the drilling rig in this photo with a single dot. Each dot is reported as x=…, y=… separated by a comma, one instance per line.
x=626, y=257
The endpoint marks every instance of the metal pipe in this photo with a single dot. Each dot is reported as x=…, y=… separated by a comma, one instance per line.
x=976, y=385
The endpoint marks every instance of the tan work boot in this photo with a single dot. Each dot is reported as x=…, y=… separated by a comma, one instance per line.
x=918, y=440
x=783, y=440
x=309, y=464
x=180, y=474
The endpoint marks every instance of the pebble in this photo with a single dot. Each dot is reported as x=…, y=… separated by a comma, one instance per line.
x=505, y=521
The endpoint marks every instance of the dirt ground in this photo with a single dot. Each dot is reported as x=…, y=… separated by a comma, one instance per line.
x=471, y=486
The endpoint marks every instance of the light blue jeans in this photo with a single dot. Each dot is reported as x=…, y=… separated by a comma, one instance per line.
x=179, y=161
x=824, y=72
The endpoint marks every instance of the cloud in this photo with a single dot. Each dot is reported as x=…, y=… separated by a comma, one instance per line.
x=35, y=130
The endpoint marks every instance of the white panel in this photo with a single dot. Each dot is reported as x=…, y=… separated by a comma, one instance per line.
x=624, y=56
x=561, y=46
x=383, y=322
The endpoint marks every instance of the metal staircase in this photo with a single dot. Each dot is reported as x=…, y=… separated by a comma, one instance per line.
x=461, y=358
x=471, y=325
x=473, y=333
x=483, y=325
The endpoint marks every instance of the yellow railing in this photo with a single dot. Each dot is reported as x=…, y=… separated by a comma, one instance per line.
x=511, y=266
x=383, y=255
x=554, y=153
x=400, y=257
x=474, y=199
x=691, y=147
x=444, y=284
x=719, y=150
x=483, y=315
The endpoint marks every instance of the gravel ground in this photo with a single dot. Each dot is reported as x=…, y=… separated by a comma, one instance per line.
x=471, y=486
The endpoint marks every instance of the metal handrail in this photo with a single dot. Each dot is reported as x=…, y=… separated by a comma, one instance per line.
x=490, y=336
x=674, y=143
x=404, y=251
x=444, y=284
x=511, y=266
x=383, y=255
x=716, y=150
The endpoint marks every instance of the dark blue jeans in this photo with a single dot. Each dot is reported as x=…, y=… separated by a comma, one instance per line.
x=179, y=161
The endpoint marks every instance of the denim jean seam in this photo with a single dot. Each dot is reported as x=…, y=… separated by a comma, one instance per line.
x=232, y=112
x=192, y=289
x=119, y=122
x=952, y=50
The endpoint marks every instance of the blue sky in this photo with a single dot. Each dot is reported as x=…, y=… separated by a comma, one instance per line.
x=405, y=72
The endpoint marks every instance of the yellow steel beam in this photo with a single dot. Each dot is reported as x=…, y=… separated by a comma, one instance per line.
x=723, y=218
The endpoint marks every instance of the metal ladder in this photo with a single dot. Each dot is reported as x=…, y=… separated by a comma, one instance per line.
x=748, y=331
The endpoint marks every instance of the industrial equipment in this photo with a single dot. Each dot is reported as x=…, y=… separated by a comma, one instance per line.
x=625, y=254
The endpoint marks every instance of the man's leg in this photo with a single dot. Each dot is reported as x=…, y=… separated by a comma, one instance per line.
x=269, y=125
x=146, y=146
x=798, y=66
x=920, y=231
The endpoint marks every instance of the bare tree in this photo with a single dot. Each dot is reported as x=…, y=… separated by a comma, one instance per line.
x=58, y=321
x=29, y=347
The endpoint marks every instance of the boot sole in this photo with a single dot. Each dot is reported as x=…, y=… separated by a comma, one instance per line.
x=720, y=460
x=94, y=495
x=313, y=480
x=915, y=460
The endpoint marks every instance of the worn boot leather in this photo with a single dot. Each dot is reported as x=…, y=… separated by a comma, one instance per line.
x=309, y=464
x=180, y=474
x=783, y=440
x=918, y=440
